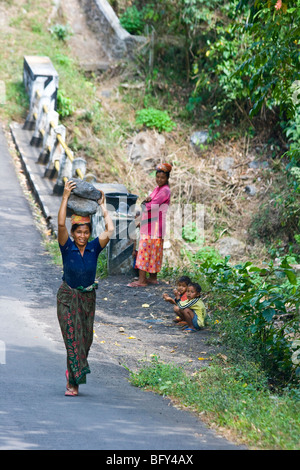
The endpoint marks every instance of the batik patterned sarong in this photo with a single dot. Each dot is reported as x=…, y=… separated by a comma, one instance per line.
x=76, y=312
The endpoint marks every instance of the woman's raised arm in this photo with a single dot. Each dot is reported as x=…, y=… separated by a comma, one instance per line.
x=105, y=236
x=62, y=213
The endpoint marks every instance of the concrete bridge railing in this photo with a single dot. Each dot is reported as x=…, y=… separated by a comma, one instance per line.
x=41, y=83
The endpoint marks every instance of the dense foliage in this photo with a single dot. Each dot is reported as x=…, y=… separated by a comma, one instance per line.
x=242, y=60
x=255, y=309
x=240, y=57
x=273, y=56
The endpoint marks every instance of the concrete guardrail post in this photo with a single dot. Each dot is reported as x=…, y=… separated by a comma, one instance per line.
x=57, y=153
x=39, y=74
x=78, y=164
x=49, y=136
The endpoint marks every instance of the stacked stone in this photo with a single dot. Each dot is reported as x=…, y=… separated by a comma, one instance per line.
x=83, y=199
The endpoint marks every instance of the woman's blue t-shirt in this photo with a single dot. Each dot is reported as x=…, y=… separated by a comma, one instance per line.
x=80, y=270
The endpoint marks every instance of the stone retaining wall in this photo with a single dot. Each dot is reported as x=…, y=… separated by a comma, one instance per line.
x=105, y=24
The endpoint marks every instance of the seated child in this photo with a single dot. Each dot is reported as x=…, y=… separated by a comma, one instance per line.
x=182, y=285
x=192, y=310
x=179, y=292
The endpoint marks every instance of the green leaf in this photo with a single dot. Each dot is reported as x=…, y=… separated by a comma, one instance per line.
x=268, y=313
x=289, y=272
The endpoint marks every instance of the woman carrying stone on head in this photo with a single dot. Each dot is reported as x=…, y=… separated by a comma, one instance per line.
x=152, y=230
x=76, y=296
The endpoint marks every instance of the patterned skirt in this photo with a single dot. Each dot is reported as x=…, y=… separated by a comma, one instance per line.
x=76, y=313
x=150, y=254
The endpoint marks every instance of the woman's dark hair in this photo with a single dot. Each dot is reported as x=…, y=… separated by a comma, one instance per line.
x=75, y=226
x=185, y=279
x=196, y=286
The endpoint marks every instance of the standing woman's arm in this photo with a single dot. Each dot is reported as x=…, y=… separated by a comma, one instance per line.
x=105, y=236
x=62, y=213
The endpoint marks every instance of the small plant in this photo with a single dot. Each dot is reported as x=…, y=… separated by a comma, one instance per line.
x=61, y=32
x=191, y=233
x=155, y=118
x=64, y=104
x=132, y=20
x=102, y=265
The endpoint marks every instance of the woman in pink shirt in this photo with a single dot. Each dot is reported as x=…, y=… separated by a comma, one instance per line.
x=152, y=232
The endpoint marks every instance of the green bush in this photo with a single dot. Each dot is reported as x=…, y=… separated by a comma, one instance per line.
x=132, y=20
x=155, y=118
x=255, y=310
x=265, y=302
x=64, y=104
x=61, y=32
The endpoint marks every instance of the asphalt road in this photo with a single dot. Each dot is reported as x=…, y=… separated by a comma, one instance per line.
x=109, y=414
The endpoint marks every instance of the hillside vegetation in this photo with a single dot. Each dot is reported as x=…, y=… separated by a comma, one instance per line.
x=230, y=69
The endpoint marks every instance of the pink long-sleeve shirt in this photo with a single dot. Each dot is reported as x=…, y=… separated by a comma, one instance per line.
x=154, y=213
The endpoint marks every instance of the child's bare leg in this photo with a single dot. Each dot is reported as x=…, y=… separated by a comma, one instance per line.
x=178, y=317
x=188, y=316
x=178, y=311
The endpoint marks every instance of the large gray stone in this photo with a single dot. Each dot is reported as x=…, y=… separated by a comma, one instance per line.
x=146, y=148
x=230, y=246
x=82, y=206
x=86, y=190
x=111, y=188
x=198, y=139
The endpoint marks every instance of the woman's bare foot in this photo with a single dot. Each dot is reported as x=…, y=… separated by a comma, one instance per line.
x=71, y=391
x=152, y=278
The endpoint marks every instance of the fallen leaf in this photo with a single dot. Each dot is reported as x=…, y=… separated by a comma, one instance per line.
x=222, y=356
x=131, y=337
x=201, y=358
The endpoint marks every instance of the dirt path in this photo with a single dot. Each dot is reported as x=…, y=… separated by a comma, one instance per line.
x=83, y=42
x=133, y=324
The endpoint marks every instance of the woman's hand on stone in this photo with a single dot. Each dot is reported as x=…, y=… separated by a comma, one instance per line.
x=69, y=186
x=102, y=199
